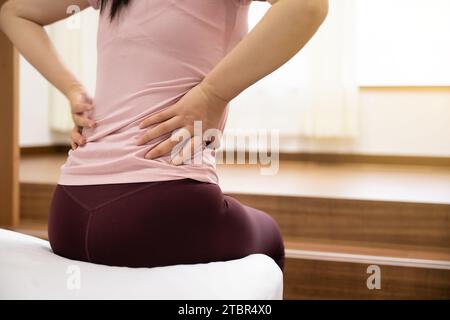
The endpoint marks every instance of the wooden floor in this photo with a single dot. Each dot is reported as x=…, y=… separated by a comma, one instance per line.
x=336, y=220
x=403, y=183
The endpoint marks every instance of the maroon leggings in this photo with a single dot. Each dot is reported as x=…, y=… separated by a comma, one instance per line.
x=149, y=224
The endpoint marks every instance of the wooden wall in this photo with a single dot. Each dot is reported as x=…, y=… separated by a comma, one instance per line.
x=9, y=132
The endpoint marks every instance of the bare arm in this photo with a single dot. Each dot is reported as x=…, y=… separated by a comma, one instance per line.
x=23, y=22
x=282, y=32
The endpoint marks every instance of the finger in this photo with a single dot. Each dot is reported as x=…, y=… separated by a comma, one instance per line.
x=189, y=151
x=77, y=137
x=163, y=148
x=160, y=130
x=158, y=117
x=83, y=121
x=80, y=107
x=74, y=145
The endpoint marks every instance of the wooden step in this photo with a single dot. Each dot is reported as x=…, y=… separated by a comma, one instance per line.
x=327, y=271
x=35, y=199
x=397, y=183
x=381, y=204
x=336, y=221
x=316, y=219
x=311, y=278
x=370, y=221
x=38, y=230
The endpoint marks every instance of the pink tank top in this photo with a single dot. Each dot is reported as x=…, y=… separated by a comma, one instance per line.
x=152, y=54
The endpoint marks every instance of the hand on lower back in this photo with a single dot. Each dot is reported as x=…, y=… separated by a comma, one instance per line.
x=199, y=104
x=81, y=104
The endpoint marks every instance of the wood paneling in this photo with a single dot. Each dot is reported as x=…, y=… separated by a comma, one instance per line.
x=295, y=247
x=45, y=150
x=35, y=201
x=9, y=133
x=32, y=228
x=318, y=219
x=320, y=279
x=379, y=222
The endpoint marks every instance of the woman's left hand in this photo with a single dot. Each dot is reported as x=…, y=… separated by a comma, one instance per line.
x=199, y=104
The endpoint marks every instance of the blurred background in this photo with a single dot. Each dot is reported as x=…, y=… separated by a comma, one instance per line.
x=363, y=117
x=372, y=81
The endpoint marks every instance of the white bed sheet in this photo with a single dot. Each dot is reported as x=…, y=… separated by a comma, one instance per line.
x=30, y=270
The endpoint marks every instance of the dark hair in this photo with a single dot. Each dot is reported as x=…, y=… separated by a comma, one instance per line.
x=116, y=6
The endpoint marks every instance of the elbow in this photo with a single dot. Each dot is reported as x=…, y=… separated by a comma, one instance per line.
x=312, y=12
x=317, y=10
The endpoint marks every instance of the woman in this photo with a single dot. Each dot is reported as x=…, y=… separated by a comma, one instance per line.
x=129, y=193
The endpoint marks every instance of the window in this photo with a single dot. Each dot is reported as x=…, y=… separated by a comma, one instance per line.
x=403, y=42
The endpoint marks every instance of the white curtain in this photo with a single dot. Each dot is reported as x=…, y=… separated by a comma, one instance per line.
x=74, y=38
x=330, y=95
x=315, y=94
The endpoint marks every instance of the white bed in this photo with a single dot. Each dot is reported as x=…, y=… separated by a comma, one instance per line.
x=30, y=270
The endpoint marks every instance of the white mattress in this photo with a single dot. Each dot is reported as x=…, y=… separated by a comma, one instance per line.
x=30, y=270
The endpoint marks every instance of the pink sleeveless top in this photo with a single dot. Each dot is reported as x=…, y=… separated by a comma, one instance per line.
x=152, y=54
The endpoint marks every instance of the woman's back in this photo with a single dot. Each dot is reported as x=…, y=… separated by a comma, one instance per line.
x=149, y=56
x=111, y=205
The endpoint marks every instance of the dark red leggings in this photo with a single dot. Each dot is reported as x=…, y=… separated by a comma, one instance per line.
x=149, y=224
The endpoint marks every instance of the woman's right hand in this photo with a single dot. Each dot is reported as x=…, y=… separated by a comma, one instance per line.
x=81, y=105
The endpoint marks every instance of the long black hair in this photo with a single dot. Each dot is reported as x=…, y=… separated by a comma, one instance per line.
x=116, y=6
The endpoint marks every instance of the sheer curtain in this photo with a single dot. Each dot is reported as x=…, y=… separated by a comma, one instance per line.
x=74, y=38
x=330, y=95
x=315, y=95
